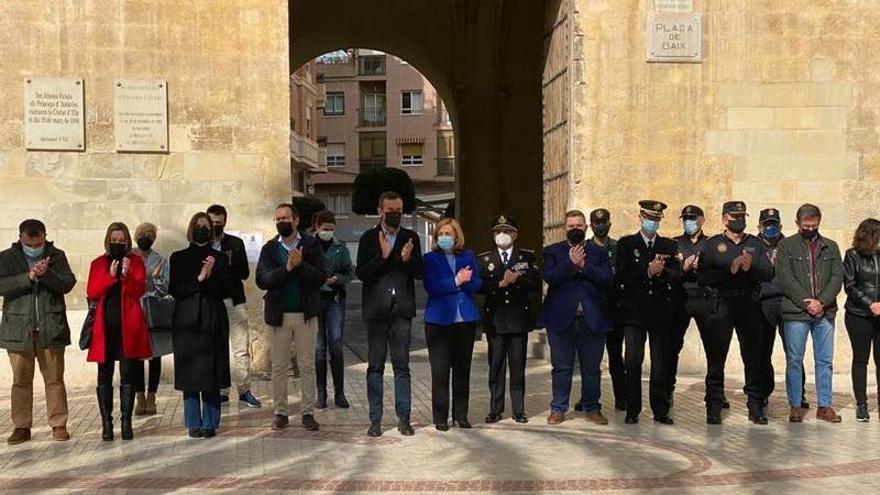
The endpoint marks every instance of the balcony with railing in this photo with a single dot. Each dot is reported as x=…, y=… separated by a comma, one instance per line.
x=371, y=164
x=307, y=152
x=372, y=117
x=446, y=167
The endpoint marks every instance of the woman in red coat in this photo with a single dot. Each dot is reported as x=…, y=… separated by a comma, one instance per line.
x=116, y=283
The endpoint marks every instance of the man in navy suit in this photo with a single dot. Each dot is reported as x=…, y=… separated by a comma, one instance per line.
x=575, y=315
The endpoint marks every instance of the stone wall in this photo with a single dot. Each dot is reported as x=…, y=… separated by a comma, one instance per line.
x=783, y=110
x=226, y=63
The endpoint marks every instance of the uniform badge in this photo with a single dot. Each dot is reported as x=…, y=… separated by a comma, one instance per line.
x=486, y=258
x=491, y=267
x=722, y=248
x=636, y=253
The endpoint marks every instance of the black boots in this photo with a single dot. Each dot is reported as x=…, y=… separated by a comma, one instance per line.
x=126, y=406
x=321, y=378
x=338, y=371
x=105, y=405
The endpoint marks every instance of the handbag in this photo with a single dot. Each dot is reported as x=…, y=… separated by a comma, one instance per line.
x=85, y=335
x=187, y=314
x=159, y=312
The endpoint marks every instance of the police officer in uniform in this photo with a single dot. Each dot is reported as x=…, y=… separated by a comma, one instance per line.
x=689, y=298
x=647, y=267
x=732, y=266
x=770, y=231
x=509, y=276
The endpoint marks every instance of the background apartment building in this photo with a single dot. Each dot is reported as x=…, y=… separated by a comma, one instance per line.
x=306, y=156
x=379, y=111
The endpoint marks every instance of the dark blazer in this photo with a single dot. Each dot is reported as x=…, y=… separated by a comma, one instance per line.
x=508, y=309
x=272, y=277
x=568, y=286
x=201, y=348
x=644, y=300
x=379, y=275
x=239, y=270
x=445, y=299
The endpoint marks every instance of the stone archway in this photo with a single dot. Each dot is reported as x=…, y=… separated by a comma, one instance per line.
x=485, y=59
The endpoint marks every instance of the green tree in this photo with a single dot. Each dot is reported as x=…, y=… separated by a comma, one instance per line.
x=307, y=206
x=370, y=184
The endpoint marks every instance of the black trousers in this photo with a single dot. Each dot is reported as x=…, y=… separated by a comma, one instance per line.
x=507, y=350
x=681, y=321
x=127, y=371
x=155, y=367
x=450, y=348
x=658, y=392
x=744, y=315
x=864, y=334
x=616, y=365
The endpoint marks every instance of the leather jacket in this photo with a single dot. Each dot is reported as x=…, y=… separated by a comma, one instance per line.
x=861, y=281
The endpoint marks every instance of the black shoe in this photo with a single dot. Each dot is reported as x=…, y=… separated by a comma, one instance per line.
x=757, y=415
x=105, y=406
x=224, y=399
x=309, y=423
x=631, y=420
x=620, y=405
x=340, y=400
x=805, y=405
x=250, y=400
x=664, y=420
x=126, y=407
x=713, y=415
x=493, y=418
x=579, y=405
x=375, y=429
x=280, y=422
x=725, y=404
x=463, y=424
x=209, y=433
x=862, y=415
x=405, y=428
x=195, y=433
x=521, y=418
x=321, y=401
x=442, y=426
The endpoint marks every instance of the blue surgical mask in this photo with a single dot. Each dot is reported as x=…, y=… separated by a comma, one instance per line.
x=771, y=231
x=33, y=253
x=691, y=227
x=650, y=226
x=446, y=242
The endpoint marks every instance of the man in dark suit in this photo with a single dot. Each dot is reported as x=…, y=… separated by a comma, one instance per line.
x=647, y=267
x=389, y=260
x=509, y=276
x=239, y=328
x=575, y=315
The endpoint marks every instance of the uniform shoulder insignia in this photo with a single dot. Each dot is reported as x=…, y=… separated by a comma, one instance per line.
x=529, y=251
x=485, y=254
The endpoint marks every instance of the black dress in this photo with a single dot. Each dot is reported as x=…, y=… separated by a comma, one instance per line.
x=113, y=324
x=200, y=329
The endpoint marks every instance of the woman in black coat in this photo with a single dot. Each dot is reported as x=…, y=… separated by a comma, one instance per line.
x=200, y=328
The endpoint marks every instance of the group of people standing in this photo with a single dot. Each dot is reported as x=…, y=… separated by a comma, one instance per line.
x=603, y=295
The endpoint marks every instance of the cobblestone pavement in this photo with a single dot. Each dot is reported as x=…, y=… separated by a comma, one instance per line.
x=575, y=457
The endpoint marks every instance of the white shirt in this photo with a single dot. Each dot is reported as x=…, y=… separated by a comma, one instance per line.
x=509, y=252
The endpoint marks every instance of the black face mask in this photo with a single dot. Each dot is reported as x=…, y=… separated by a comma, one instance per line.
x=576, y=236
x=117, y=250
x=737, y=225
x=201, y=235
x=602, y=229
x=145, y=243
x=810, y=234
x=392, y=219
x=218, y=230
x=284, y=228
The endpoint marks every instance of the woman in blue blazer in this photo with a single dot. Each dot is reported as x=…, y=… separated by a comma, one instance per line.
x=452, y=277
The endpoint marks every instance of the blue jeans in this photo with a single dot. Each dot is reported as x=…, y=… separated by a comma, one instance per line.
x=201, y=410
x=590, y=348
x=331, y=322
x=383, y=336
x=796, y=333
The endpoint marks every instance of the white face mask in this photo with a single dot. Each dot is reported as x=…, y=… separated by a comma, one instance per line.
x=325, y=235
x=503, y=240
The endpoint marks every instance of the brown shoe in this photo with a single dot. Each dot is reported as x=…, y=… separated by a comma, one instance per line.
x=19, y=435
x=828, y=414
x=555, y=418
x=597, y=418
x=150, y=408
x=796, y=415
x=60, y=434
x=140, y=404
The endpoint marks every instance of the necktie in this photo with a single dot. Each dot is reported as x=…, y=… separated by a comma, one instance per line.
x=504, y=258
x=651, y=250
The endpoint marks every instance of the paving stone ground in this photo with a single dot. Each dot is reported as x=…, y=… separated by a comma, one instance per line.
x=575, y=457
